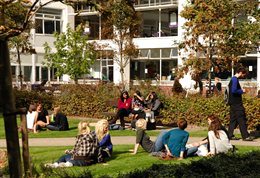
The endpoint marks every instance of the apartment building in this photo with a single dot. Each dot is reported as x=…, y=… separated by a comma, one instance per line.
x=161, y=31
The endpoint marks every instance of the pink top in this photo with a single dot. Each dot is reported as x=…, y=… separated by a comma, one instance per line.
x=127, y=104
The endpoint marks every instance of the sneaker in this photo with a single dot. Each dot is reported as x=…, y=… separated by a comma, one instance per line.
x=67, y=164
x=234, y=138
x=52, y=165
x=152, y=120
x=248, y=139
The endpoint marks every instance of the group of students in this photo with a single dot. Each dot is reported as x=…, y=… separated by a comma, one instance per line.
x=90, y=147
x=38, y=118
x=173, y=143
x=96, y=146
x=137, y=107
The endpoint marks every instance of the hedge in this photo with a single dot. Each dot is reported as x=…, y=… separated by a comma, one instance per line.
x=89, y=101
x=222, y=165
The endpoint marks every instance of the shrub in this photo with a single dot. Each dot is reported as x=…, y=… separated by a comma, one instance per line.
x=24, y=98
x=90, y=101
x=246, y=165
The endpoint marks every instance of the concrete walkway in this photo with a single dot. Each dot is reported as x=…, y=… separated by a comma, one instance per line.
x=116, y=140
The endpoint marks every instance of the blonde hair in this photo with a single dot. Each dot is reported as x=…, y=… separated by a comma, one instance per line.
x=141, y=123
x=83, y=127
x=100, y=125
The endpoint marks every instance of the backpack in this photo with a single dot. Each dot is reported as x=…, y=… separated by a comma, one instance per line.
x=227, y=94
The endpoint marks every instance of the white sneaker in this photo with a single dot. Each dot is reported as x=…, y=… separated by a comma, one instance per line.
x=152, y=120
x=67, y=164
x=52, y=165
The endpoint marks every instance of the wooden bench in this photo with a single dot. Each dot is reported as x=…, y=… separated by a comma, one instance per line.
x=112, y=113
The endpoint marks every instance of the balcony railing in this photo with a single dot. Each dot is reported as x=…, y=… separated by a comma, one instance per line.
x=137, y=3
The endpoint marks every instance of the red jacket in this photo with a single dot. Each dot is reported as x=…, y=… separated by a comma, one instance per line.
x=127, y=104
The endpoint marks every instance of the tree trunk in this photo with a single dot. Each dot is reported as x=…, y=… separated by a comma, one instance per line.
x=20, y=67
x=9, y=112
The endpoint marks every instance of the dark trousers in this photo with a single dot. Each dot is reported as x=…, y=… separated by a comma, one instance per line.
x=120, y=114
x=238, y=117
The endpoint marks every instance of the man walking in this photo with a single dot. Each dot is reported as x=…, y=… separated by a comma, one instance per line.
x=237, y=110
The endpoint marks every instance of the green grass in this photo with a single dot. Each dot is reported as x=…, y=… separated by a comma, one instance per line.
x=73, y=122
x=121, y=162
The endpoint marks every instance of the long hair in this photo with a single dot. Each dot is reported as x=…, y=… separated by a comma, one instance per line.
x=138, y=93
x=215, y=125
x=83, y=127
x=155, y=96
x=99, y=129
x=121, y=96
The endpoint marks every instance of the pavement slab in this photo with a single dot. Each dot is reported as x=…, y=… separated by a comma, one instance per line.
x=116, y=140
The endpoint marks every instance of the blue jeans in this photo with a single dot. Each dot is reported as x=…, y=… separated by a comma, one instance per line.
x=52, y=127
x=68, y=158
x=191, y=151
x=158, y=144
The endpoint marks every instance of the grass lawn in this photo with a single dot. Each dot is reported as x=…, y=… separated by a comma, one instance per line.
x=121, y=162
x=73, y=122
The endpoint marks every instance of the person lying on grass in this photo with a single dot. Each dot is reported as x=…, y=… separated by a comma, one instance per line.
x=84, y=151
x=175, y=141
x=144, y=140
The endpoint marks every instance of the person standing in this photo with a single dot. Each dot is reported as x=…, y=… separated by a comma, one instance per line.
x=237, y=110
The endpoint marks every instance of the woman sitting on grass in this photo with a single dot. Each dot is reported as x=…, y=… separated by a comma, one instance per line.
x=217, y=138
x=104, y=140
x=60, y=121
x=84, y=151
x=144, y=140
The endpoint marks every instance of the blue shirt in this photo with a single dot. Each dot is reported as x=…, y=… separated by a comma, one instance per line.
x=176, y=140
x=236, y=88
x=106, y=143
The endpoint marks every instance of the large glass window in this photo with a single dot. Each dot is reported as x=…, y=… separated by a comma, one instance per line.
x=48, y=21
x=27, y=73
x=91, y=25
x=168, y=24
x=159, y=65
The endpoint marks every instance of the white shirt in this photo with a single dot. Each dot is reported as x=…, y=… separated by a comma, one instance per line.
x=221, y=145
x=30, y=119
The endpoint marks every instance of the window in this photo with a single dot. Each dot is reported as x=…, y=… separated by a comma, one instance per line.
x=48, y=21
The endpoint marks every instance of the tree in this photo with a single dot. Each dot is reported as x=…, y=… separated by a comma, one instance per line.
x=14, y=18
x=215, y=36
x=22, y=45
x=125, y=21
x=74, y=55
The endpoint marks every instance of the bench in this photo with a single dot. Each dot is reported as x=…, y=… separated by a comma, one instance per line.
x=112, y=113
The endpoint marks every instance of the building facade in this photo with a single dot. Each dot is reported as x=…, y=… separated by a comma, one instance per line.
x=159, y=57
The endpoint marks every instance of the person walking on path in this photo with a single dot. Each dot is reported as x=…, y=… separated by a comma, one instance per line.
x=237, y=110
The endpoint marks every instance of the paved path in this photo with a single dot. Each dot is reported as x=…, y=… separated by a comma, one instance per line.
x=116, y=140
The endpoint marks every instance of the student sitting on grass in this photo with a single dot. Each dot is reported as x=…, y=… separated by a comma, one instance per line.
x=84, y=151
x=175, y=141
x=204, y=147
x=104, y=140
x=30, y=117
x=217, y=137
x=60, y=122
x=41, y=118
x=144, y=140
